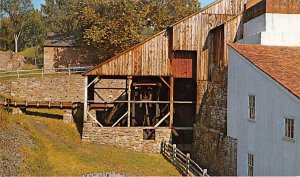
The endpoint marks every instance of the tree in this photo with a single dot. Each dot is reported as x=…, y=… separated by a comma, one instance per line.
x=61, y=16
x=34, y=31
x=6, y=34
x=16, y=10
x=109, y=27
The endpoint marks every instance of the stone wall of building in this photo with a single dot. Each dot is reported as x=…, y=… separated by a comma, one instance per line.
x=212, y=149
x=123, y=137
x=66, y=89
x=55, y=57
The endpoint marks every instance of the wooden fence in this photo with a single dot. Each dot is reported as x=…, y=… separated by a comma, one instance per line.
x=182, y=161
x=40, y=72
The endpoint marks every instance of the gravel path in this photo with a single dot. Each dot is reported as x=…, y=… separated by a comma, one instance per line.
x=12, y=141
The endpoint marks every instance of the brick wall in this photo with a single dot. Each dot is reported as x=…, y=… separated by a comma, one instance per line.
x=67, y=89
x=212, y=149
x=123, y=137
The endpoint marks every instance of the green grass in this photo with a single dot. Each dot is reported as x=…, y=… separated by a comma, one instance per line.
x=58, y=150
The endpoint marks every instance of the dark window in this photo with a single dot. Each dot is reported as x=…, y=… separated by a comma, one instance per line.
x=289, y=128
x=149, y=134
x=251, y=107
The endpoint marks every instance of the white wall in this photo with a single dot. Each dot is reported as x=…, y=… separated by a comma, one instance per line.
x=273, y=29
x=264, y=138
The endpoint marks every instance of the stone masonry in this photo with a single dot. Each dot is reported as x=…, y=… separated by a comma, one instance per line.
x=66, y=89
x=123, y=137
x=212, y=149
x=109, y=89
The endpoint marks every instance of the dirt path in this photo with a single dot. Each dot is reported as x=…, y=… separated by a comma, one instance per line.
x=44, y=129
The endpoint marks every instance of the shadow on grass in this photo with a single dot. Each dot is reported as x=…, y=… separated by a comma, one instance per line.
x=77, y=115
x=42, y=114
x=78, y=120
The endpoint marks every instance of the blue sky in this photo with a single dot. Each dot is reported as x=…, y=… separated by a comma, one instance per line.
x=37, y=3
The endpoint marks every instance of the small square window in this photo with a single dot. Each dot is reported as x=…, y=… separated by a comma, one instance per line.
x=250, y=164
x=149, y=134
x=251, y=107
x=289, y=128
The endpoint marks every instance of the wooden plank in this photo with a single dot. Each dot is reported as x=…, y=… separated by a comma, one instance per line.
x=129, y=81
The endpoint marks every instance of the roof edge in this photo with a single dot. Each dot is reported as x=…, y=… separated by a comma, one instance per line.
x=235, y=49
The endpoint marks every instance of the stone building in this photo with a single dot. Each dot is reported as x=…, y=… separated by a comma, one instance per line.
x=59, y=51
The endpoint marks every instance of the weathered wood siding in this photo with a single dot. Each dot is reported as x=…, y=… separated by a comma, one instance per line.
x=150, y=58
x=188, y=33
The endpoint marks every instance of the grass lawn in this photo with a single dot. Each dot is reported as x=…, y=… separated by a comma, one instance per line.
x=58, y=151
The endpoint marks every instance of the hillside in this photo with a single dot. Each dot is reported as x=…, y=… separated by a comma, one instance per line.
x=34, y=145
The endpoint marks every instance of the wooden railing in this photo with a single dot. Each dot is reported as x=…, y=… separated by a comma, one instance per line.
x=182, y=161
x=40, y=72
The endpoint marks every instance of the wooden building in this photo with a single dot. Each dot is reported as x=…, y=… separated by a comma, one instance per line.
x=166, y=76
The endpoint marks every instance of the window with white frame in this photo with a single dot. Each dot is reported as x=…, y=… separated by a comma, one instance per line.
x=289, y=127
x=250, y=164
x=251, y=107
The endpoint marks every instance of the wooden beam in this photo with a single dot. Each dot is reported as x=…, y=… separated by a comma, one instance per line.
x=164, y=118
x=171, y=101
x=95, y=80
x=183, y=128
x=164, y=81
x=119, y=119
x=140, y=102
x=85, y=106
x=129, y=82
x=146, y=84
x=89, y=114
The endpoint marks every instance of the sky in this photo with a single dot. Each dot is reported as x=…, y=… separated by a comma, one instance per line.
x=37, y=3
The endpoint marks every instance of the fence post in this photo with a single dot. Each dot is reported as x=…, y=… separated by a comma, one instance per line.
x=174, y=153
x=69, y=71
x=18, y=73
x=204, y=172
x=188, y=157
x=163, y=147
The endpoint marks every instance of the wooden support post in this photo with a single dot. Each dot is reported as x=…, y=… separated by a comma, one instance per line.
x=85, y=107
x=171, y=101
x=129, y=82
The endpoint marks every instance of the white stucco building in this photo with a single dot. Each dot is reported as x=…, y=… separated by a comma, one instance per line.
x=264, y=94
x=265, y=81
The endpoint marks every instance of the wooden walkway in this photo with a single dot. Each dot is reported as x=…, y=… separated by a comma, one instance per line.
x=51, y=104
x=40, y=104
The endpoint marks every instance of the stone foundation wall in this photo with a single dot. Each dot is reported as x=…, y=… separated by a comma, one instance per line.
x=5, y=87
x=123, y=137
x=212, y=149
x=67, y=89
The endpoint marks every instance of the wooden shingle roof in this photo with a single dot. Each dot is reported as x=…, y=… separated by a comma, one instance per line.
x=279, y=62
